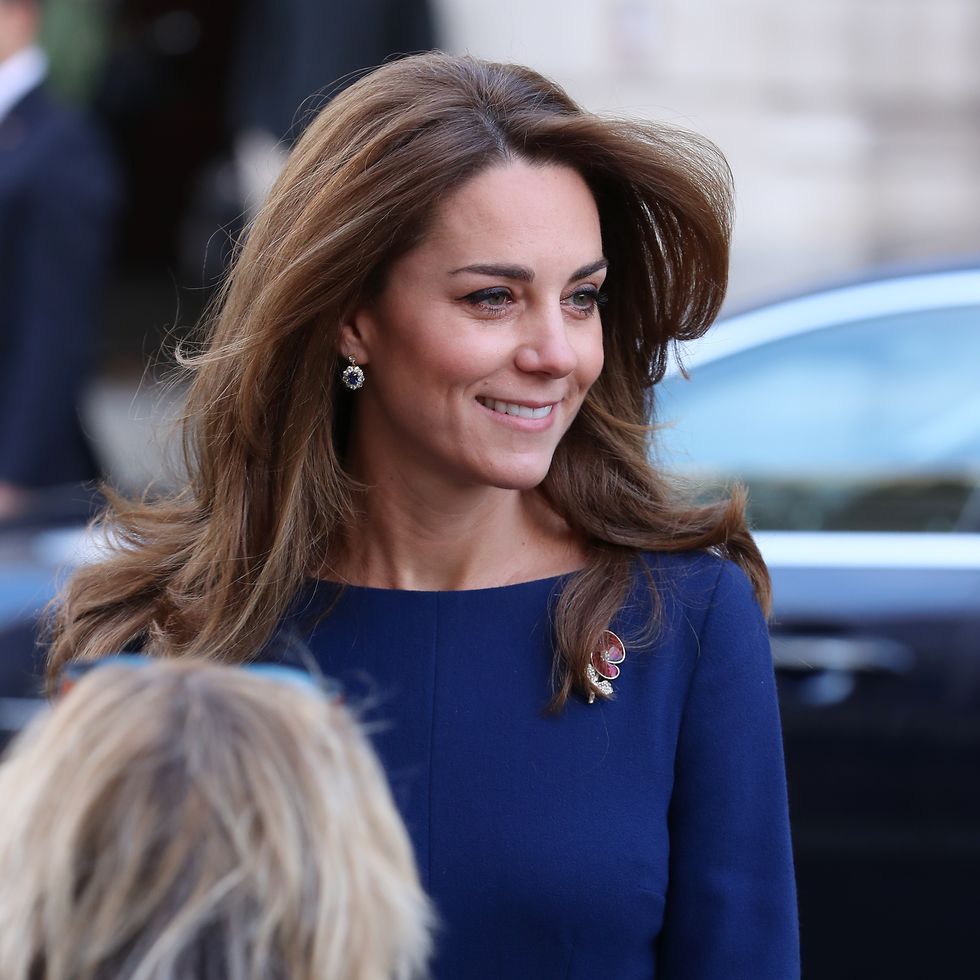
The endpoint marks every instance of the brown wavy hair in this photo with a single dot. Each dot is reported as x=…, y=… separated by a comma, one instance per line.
x=213, y=569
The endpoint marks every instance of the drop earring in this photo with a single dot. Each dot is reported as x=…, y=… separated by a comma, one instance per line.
x=352, y=376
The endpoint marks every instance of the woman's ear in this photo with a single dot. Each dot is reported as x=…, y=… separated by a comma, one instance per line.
x=357, y=332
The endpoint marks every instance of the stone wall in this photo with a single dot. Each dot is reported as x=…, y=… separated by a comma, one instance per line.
x=852, y=126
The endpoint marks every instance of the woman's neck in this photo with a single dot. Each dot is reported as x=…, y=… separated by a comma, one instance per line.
x=414, y=538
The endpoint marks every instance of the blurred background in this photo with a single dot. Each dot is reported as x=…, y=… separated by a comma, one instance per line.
x=843, y=385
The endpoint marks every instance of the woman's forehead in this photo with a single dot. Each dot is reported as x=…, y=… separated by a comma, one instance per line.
x=515, y=213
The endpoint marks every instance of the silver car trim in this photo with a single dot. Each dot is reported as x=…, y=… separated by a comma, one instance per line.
x=937, y=291
x=869, y=549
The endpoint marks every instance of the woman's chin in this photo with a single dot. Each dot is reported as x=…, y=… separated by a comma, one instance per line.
x=522, y=477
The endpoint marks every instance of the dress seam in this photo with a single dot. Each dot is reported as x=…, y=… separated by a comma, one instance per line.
x=432, y=729
x=697, y=657
x=677, y=748
x=709, y=609
x=571, y=957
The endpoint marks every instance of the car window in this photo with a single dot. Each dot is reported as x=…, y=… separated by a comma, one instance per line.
x=873, y=424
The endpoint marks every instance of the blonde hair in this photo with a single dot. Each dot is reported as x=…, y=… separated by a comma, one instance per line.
x=187, y=821
x=212, y=570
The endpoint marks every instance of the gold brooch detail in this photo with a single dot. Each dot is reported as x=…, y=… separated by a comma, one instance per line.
x=605, y=664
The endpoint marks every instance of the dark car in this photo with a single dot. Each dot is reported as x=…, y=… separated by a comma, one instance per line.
x=853, y=417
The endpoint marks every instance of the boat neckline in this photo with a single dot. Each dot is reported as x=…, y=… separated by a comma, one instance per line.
x=315, y=583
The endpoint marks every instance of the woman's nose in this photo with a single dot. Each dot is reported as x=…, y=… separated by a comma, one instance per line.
x=546, y=348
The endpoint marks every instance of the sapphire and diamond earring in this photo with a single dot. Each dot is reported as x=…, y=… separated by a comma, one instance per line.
x=352, y=376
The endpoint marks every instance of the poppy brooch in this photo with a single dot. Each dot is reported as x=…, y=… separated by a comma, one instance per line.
x=605, y=664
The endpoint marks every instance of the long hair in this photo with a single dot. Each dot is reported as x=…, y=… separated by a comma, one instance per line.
x=176, y=822
x=214, y=568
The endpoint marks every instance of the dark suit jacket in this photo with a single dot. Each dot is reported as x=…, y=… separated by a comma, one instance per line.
x=57, y=200
x=292, y=55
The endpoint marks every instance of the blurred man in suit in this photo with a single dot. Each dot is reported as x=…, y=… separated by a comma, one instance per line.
x=57, y=199
x=292, y=56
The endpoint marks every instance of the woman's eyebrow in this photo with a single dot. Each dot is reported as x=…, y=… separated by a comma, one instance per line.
x=523, y=274
x=590, y=269
x=498, y=271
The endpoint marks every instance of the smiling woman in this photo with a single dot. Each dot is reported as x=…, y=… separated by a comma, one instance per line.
x=478, y=368
x=418, y=441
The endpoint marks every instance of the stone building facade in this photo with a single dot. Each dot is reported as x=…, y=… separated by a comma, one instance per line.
x=852, y=126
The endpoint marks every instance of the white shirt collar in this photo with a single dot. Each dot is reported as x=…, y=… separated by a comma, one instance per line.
x=20, y=73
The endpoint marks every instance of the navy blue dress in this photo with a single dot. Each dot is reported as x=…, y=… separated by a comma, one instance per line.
x=643, y=837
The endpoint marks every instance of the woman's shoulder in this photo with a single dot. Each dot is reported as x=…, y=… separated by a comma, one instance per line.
x=690, y=583
x=691, y=572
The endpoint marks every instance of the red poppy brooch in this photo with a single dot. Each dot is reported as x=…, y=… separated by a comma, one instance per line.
x=605, y=664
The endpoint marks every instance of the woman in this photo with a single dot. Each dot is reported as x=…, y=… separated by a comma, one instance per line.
x=418, y=439
x=187, y=821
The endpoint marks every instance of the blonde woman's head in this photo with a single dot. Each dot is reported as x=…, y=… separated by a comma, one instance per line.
x=189, y=821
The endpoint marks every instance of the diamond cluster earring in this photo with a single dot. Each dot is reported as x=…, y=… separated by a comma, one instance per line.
x=352, y=376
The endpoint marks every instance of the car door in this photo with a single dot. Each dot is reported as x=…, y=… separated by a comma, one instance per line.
x=859, y=442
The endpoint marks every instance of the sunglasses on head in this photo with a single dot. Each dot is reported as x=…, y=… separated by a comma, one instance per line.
x=16, y=713
x=72, y=673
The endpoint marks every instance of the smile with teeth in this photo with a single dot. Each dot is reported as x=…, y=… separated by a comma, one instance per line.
x=511, y=408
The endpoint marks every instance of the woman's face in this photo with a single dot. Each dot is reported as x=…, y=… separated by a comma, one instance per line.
x=486, y=338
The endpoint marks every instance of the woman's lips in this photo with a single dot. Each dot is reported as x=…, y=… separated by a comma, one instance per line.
x=516, y=409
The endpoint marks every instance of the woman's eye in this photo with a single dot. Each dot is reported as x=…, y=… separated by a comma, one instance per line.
x=497, y=299
x=585, y=300
x=491, y=300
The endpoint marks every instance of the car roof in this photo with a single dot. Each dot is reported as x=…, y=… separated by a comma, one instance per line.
x=880, y=273
x=910, y=292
